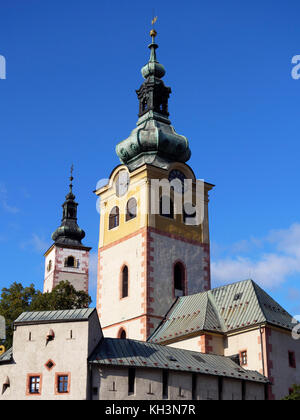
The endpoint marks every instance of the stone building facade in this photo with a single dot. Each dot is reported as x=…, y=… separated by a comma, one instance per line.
x=239, y=320
x=63, y=355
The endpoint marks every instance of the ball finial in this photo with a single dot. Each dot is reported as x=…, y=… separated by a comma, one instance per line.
x=153, y=33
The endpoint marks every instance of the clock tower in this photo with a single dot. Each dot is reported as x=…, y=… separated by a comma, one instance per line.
x=152, y=246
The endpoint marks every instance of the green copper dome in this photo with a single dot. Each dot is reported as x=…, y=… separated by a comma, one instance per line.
x=154, y=140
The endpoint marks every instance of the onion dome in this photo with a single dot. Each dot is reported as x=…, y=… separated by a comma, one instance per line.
x=69, y=233
x=154, y=140
x=153, y=67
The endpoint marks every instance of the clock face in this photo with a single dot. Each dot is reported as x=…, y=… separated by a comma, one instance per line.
x=176, y=174
x=122, y=183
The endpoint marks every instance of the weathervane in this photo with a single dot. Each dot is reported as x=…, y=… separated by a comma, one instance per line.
x=153, y=32
x=72, y=169
x=71, y=177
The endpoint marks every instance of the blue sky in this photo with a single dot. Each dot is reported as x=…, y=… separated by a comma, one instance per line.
x=69, y=97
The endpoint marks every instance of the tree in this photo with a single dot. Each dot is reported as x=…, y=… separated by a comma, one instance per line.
x=63, y=296
x=17, y=299
x=295, y=394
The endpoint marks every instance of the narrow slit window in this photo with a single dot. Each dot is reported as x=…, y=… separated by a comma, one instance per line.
x=124, y=282
x=292, y=359
x=244, y=358
x=131, y=381
x=194, y=386
x=165, y=384
x=179, y=281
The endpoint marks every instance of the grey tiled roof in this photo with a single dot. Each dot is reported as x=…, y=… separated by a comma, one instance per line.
x=7, y=356
x=54, y=316
x=223, y=309
x=132, y=353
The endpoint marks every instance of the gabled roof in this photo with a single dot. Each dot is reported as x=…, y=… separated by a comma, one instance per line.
x=221, y=310
x=132, y=353
x=69, y=315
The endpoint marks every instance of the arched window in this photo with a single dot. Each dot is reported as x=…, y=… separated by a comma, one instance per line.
x=166, y=207
x=131, y=209
x=70, y=261
x=114, y=218
x=179, y=279
x=189, y=214
x=122, y=334
x=124, y=284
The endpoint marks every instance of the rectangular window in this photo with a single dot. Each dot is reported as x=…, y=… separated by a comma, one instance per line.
x=34, y=384
x=62, y=383
x=131, y=380
x=243, y=358
x=292, y=359
x=165, y=384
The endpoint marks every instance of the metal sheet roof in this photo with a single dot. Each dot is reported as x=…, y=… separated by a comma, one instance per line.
x=54, y=316
x=6, y=357
x=132, y=353
x=223, y=309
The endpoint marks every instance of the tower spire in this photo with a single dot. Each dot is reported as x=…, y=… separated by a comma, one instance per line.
x=69, y=233
x=154, y=141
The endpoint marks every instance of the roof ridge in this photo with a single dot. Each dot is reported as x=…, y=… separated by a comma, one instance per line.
x=254, y=286
x=163, y=320
x=211, y=299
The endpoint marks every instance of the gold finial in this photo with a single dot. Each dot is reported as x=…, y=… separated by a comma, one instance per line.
x=153, y=32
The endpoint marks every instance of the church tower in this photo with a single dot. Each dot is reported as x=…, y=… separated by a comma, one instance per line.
x=67, y=259
x=149, y=251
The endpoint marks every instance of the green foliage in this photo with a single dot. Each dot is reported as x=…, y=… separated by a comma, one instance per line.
x=17, y=299
x=295, y=394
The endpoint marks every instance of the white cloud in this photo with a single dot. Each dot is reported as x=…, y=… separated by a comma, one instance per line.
x=3, y=201
x=37, y=243
x=270, y=269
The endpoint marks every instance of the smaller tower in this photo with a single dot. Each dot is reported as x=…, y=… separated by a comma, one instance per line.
x=67, y=259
